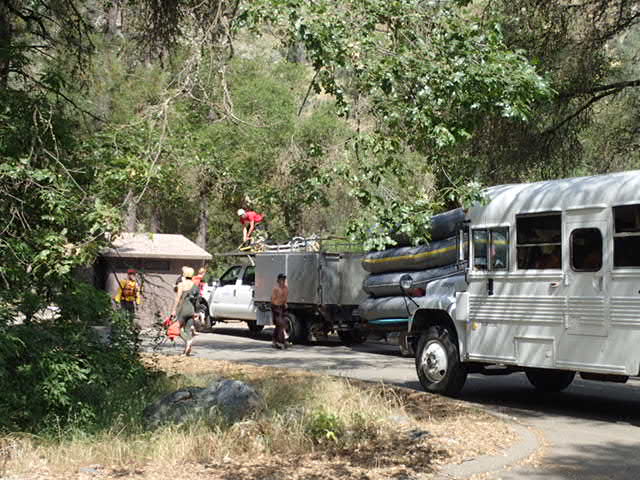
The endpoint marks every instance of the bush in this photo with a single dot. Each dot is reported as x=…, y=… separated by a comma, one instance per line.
x=325, y=426
x=58, y=373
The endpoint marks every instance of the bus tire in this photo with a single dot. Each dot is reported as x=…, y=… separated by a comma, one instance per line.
x=549, y=380
x=438, y=362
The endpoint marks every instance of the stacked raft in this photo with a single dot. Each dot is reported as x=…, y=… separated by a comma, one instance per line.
x=386, y=305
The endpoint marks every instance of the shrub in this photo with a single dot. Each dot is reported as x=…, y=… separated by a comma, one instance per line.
x=57, y=373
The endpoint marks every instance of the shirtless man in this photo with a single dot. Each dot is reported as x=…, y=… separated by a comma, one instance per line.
x=279, y=297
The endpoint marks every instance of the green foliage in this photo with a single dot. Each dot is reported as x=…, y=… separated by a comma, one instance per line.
x=59, y=374
x=264, y=152
x=325, y=426
x=430, y=76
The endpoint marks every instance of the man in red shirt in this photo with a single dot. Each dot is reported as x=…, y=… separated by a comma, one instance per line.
x=250, y=222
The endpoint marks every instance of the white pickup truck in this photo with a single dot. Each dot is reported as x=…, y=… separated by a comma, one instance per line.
x=231, y=297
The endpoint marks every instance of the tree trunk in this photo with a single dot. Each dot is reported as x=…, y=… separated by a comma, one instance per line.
x=5, y=44
x=131, y=213
x=203, y=221
x=113, y=25
x=154, y=220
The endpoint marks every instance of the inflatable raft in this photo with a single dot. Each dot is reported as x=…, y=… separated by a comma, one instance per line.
x=389, y=308
x=388, y=284
x=436, y=254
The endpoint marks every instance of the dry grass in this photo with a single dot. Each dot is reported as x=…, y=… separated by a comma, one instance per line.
x=372, y=429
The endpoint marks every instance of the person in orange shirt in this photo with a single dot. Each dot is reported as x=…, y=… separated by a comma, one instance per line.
x=128, y=296
x=199, y=279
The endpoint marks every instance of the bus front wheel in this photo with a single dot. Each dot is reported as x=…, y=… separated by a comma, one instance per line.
x=438, y=362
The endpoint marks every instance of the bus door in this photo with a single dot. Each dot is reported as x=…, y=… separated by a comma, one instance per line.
x=585, y=264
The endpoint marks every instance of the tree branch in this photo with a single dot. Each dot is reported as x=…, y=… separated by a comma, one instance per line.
x=580, y=110
x=306, y=97
x=601, y=88
x=58, y=92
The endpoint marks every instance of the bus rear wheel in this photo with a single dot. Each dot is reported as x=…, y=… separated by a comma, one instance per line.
x=438, y=362
x=549, y=380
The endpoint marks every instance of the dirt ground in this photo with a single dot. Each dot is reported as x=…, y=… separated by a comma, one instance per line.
x=449, y=431
x=434, y=431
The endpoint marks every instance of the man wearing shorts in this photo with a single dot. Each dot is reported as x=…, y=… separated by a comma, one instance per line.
x=279, y=296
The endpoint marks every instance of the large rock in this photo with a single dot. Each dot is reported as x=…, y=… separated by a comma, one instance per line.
x=231, y=398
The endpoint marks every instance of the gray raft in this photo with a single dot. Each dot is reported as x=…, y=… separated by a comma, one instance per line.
x=388, y=308
x=388, y=284
x=436, y=254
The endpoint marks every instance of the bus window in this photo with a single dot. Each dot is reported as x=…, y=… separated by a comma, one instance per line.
x=499, y=248
x=586, y=250
x=491, y=249
x=538, y=244
x=480, y=242
x=626, y=238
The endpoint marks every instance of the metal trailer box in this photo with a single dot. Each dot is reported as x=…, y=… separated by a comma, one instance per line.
x=314, y=278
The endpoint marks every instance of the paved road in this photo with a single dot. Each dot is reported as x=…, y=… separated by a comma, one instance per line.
x=593, y=428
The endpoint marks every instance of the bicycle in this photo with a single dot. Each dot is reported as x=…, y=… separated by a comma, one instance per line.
x=257, y=243
x=296, y=244
x=160, y=334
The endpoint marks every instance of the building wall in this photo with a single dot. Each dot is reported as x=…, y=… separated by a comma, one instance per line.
x=157, y=278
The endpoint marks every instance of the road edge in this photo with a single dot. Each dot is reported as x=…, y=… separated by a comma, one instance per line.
x=527, y=444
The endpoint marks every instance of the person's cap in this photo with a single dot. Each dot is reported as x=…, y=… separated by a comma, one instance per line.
x=281, y=276
x=241, y=212
x=187, y=272
x=132, y=270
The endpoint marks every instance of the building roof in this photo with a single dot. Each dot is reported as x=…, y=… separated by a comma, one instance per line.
x=155, y=245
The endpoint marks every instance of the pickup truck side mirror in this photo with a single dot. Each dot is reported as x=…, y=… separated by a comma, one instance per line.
x=213, y=283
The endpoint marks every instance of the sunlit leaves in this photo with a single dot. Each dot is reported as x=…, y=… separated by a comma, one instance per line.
x=430, y=77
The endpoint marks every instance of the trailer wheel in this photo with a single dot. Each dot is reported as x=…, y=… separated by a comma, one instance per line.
x=549, y=380
x=297, y=329
x=352, y=337
x=254, y=328
x=438, y=362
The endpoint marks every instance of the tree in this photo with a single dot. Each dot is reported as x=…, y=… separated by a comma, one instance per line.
x=574, y=46
x=426, y=77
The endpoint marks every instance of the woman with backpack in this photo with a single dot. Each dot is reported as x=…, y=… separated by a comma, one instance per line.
x=187, y=294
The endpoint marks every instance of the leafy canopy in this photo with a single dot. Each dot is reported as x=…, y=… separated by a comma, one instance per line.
x=414, y=78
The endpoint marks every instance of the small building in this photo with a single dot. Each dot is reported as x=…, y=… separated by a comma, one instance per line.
x=158, y=258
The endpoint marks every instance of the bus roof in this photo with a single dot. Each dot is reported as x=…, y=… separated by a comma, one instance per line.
x=598, y=191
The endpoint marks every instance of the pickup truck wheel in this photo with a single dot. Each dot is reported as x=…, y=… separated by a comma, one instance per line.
x=438, y=362
x=352, y=337
x=254, y=328
x=202, y=320
x=297, y=329
x=549, y=380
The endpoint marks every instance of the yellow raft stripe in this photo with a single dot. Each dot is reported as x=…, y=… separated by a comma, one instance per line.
x=414, y=256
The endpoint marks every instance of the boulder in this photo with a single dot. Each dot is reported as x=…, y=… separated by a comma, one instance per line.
x=232, y=399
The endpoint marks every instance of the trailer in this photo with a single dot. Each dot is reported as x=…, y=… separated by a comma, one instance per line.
x=325, y=290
